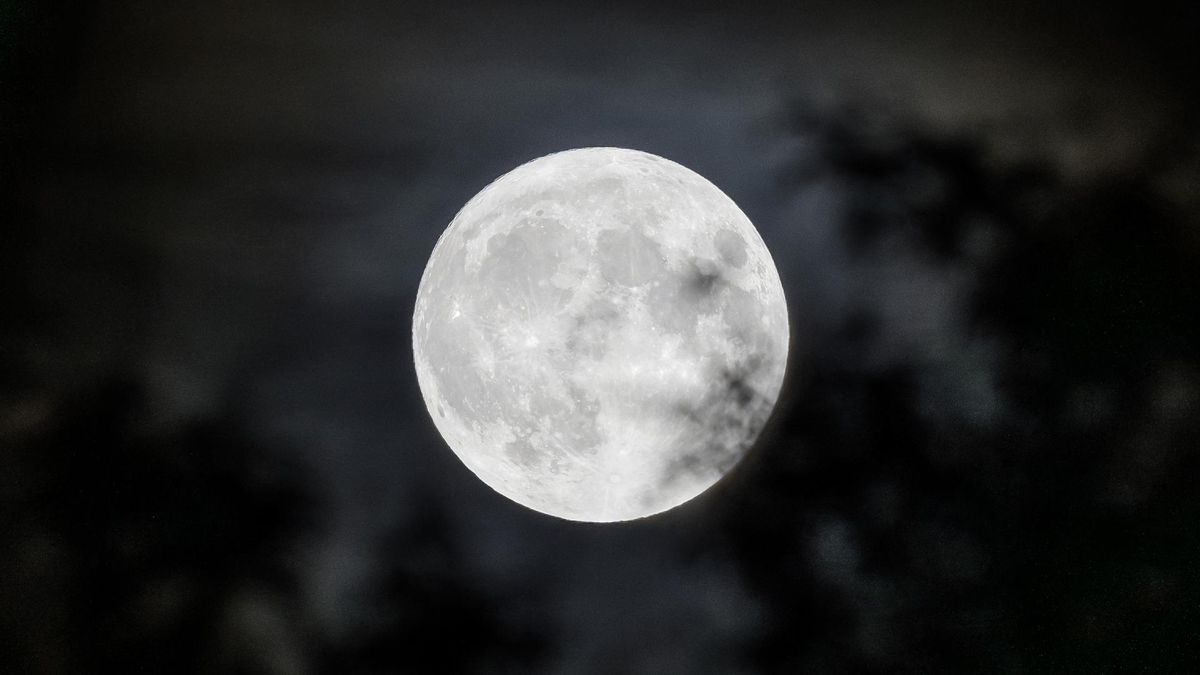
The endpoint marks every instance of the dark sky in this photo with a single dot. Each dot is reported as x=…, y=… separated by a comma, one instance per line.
x=214, y=456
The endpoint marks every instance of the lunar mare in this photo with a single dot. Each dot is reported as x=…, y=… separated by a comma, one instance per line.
x=600, y=334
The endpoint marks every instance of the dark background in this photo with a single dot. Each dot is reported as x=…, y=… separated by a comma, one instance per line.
x=215, y=457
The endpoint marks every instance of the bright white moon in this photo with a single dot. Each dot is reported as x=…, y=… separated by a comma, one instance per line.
x=600, y=334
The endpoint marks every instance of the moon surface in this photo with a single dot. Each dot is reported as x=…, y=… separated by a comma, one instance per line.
x=600, y=334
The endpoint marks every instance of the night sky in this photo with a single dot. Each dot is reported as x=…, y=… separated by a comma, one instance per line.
x=214, y=457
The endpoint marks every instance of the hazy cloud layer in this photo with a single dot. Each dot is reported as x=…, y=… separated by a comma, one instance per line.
x=985, y=223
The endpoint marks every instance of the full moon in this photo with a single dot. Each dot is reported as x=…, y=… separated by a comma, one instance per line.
x=600, y=334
